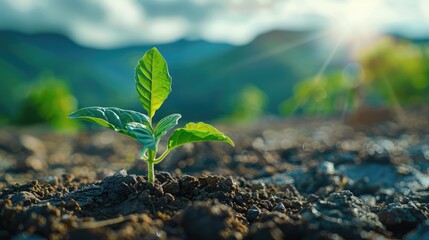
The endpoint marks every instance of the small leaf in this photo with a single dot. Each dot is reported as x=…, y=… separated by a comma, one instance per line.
x=196, y=132
x=165, y=124
x=153, y=82
x=143, y=134
x=111, y=117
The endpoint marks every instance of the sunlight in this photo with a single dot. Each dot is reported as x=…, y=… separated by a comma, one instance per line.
x=328, y=60
x=358, y=21
x=355, y=24
x=275, y=51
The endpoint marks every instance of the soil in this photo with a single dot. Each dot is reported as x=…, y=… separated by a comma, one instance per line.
x=302, y=178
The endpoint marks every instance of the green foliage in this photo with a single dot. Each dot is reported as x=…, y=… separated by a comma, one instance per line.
x=249, y=104
x=47, y=101
x=321, y=95
x=211, y=71
x=397, y=71
x=144, y=135
x=196, y=132
x=165, y=124
x=111, y=117
x=153, y=84
x=392, y=72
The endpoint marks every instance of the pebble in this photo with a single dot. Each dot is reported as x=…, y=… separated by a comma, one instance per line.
x=258, y=186
x=280, y=208
x=253, y=213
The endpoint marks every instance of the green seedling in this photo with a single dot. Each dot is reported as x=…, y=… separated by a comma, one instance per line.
x=153, y=84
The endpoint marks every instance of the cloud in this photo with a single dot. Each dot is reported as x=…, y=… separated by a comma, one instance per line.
x=110, y=23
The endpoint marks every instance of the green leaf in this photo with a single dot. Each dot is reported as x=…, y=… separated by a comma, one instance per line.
x=153, y=82
x=111, y=117
x=196, y=132
x=165, y=124
x=143, y=134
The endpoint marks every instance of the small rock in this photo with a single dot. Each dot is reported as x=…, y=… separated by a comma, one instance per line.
x=229, y=181
x=369, y=200
x=401, y=217
x=163, y=176
x=213, y=181
x=226, y=184
x=24, y=197
x=253, y=213
x=171, y=187
x=258, y=186
x=280, y=208
x=52, y=180
x=121, y=173
x=312, y=198
x=326, y=167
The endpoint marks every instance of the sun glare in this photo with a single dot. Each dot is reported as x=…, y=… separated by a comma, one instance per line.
x=357, y=22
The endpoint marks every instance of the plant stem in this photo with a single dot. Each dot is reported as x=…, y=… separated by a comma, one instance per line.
x=150, y=166
x=158, y=160
x=150, y=160
x=150, y=172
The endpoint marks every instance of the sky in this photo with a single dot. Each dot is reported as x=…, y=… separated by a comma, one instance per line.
x=115, y=23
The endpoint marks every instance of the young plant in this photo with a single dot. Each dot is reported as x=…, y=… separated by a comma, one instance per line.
x=153, y=84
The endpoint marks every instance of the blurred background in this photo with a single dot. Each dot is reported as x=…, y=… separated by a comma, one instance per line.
x=232, y=60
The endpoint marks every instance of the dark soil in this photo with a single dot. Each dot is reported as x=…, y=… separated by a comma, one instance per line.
x=294, y=179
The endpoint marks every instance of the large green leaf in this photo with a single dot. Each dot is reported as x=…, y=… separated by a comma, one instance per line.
x=111, y=117
x=153, y=82
x=165, y=124
x=196, y=132
x=143, y=134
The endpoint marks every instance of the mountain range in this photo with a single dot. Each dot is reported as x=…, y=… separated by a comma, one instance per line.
x=207, y=77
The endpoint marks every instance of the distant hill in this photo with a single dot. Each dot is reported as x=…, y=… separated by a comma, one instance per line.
x=206, y=76
x=273, y=62
x=97, y=76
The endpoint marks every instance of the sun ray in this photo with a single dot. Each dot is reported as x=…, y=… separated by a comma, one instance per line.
x=275, y=51
x=328, y=60
x=324, y=66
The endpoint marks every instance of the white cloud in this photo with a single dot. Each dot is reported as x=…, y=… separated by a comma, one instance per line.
x=108, y=23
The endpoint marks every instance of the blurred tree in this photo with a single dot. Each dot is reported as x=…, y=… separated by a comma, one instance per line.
x=392, y=72
x=397, y=70
x=324, y=94
x=249, y=104
x=48, y=100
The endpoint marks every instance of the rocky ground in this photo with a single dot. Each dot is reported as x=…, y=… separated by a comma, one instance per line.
x=303, y=178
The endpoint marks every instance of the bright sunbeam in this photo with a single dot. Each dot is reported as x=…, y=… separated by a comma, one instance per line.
x=275, y=51
x=328, y=60
x=358, y=21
